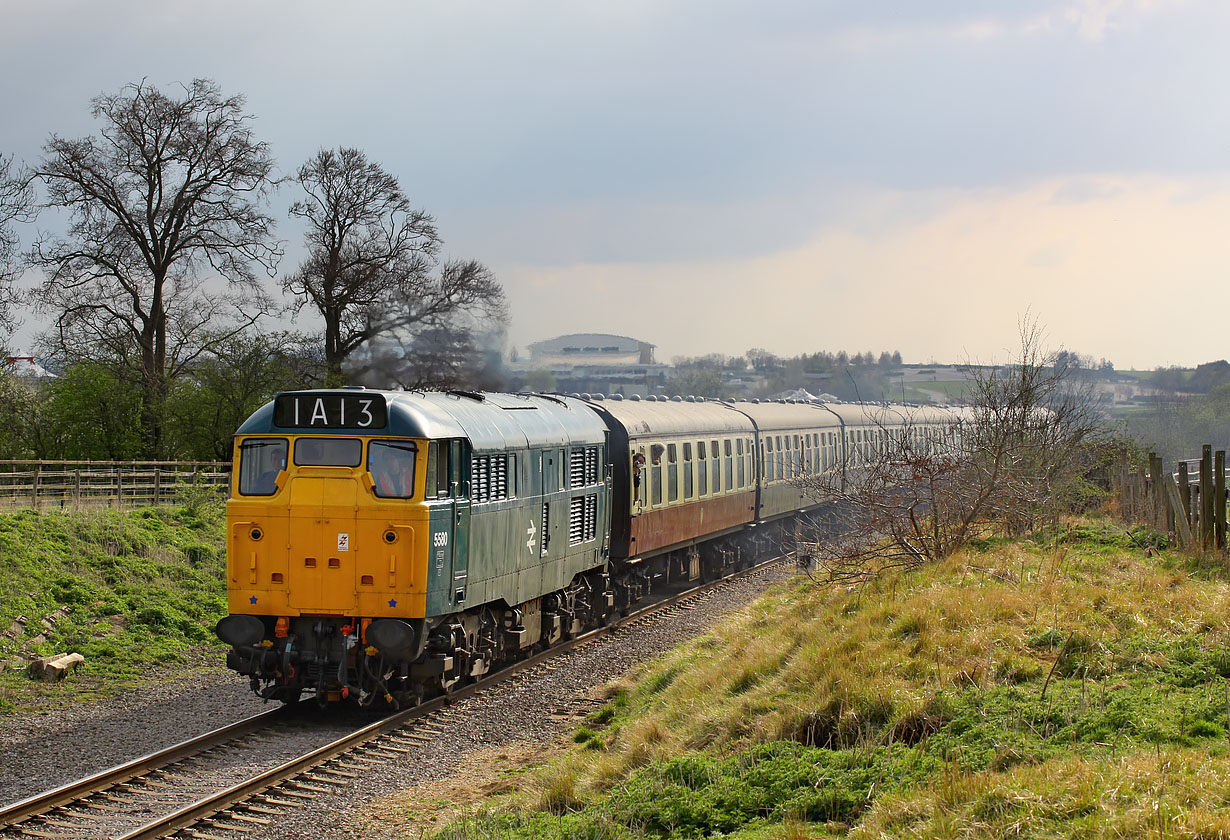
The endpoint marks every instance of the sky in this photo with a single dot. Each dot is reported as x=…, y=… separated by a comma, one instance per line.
x=713, y=176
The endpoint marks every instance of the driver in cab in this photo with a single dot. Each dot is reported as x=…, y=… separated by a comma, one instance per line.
x=393, y=472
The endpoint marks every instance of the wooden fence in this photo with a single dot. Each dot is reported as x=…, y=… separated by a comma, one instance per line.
x=118, y=483
x=1190, y=505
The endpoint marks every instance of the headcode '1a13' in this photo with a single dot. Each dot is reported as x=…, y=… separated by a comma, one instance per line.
x=330, y=411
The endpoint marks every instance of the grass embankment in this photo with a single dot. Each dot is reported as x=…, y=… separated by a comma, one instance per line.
x=130, y=590
x=1067, y=686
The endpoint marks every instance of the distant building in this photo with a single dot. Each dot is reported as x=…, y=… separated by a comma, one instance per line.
x=591, y=349
x=595, y=363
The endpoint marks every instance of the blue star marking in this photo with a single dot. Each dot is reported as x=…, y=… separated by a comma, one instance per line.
x=392, y=603
x=253, y=599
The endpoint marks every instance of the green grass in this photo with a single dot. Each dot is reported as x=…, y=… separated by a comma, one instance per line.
x=1068, y=684
x=132, y=591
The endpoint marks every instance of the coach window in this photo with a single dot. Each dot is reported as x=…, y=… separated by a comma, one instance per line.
x=655, y=473
x=702, y=469
x=687, y=471
x=261, y=461
x=656, y=451
x=391, y=464
x=638, y=475
x=766, y=455
x=672, y=473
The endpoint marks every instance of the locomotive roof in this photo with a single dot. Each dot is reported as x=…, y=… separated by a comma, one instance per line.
x=668, y=418
x=490, y=421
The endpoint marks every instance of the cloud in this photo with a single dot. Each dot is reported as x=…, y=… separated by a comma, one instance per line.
x=1123, y=273
x=1092, y=20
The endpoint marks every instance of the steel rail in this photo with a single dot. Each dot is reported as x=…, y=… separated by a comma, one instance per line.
x=39, y=804
x=229, y=798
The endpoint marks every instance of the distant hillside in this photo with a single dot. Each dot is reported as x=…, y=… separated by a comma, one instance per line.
x=1067, y=685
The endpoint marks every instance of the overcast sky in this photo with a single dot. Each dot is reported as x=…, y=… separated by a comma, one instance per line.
x=712, y=176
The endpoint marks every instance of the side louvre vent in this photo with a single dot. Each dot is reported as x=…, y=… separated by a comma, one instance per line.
x=489, y=475
x=582, y=519
x=576, y=520
x=546, y=527
x=583, y=467
x=591, y=465
x=591, y=517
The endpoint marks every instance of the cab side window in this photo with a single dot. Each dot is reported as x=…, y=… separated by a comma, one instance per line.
x=438, y=470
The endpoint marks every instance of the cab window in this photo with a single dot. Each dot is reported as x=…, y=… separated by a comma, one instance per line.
x=391, y=464
x=260, y=462
x=328, y=452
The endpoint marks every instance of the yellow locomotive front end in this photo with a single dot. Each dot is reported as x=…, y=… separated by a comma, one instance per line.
x=326, y=548
x=327, y=527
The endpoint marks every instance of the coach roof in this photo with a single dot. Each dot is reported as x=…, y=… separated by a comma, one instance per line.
x=641, y=418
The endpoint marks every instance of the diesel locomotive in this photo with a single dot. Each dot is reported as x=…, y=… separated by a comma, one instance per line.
x=389, y=545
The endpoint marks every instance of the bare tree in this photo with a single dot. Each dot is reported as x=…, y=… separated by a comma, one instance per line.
x=169, y=194
x=458, y=349
x=929, y=481
x=16, y=205
x=371, y=265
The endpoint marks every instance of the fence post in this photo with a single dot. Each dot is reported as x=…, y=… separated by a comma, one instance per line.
x=1172, y=513
x=1151, y=488
x=77, y=485
x=1182, y=527
x=157, y=485
x=1185, y=492
x=1138, y=494
x=1219, y=497
x=38, y=475
x=1206, y=497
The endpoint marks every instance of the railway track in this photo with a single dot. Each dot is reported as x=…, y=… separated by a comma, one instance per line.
x=160, y=783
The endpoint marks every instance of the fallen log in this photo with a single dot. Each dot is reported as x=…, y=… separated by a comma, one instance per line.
x=55, y=668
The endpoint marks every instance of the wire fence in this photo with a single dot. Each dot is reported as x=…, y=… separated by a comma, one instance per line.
x=114, y=483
